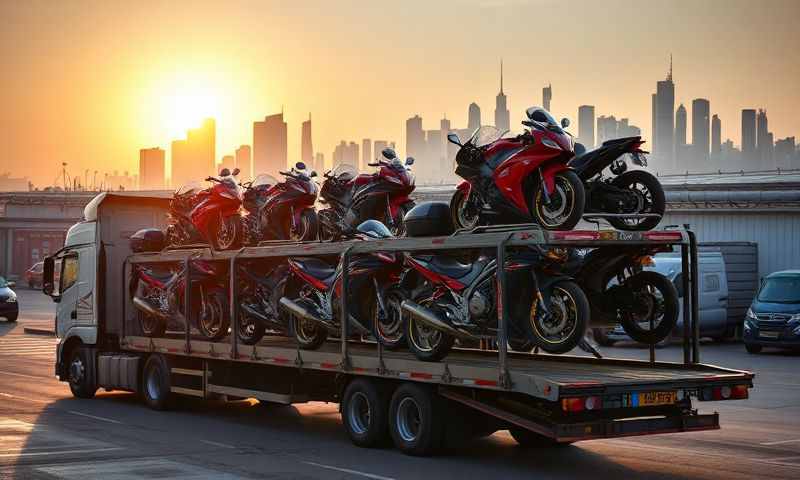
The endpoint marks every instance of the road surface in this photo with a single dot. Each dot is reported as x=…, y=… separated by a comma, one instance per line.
x=45, y=433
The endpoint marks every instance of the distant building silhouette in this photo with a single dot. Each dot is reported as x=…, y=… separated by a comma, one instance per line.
x=764, y=141
x=701, y=116
x=244, y=162
x=474, y=117
x=547, y=95
x=716, y=135
x=680, y=126
x=366, y=153
x=586, y=125
x=785, y=153
x=345, y=154
x=270, y=145
x=229, y=162
x=319, y=163
x=609, y=128
x=748, y=132
x=151, y=169
x=415, y=137
x=664, y=121
x=306, y=147
x=502, y=118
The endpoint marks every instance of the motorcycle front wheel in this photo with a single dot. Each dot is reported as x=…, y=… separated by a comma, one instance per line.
x=212, y=317
x=225, y=234
x=563, y=326
x=309, y=335
x=566, y=202
x=650, y=199
x=250, y=330
x=463, y=214
x=307, y=227
x=654, y=299
x=151, y=325
x=389, y=326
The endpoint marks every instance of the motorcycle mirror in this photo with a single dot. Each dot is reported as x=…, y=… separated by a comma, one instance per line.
x=300, y=166
x=389, y=153
x=410, y=161
x=313, y=174
x=564, y=122
x=236, y=171
x=453, y=138
x=224, y=172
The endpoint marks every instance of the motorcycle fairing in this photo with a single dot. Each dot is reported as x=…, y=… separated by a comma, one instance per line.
x=313, y=271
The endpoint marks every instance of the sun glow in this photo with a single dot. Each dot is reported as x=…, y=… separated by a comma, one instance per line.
x=185, y=105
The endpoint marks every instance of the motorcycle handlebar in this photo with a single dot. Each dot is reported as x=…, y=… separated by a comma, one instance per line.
x=375, y=164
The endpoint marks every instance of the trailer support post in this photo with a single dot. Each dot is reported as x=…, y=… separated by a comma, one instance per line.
x=233, y=290
x=686, y=292
x=344, y=312
x=695, y=306
x=502, y=317
x=187, y=305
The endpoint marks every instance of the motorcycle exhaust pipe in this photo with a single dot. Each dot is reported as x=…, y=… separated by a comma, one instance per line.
x=145, y=307
x=430, y=319
x=302, y=312
x=260, y=316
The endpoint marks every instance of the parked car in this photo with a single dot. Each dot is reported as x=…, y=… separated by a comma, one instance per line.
x=773, y=319
x=34, y=275
x=712, y=301
x=9, y=309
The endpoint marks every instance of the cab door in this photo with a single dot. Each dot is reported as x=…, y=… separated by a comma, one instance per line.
x=67, y=293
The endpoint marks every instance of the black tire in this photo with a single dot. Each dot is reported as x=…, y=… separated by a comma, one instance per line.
x=309, y=335
x=669, y=307
x=416, y=419
x=456, y=204
x=365, y=413
x=308, y=228
x=425, y=343
x=250, y=330
x=600, y=336
x=568, y=305
x=399, y=227
x=570, y=190
x=527, y=439
x=657, y=201
x=230, y=240
x=12, y=317
x=80, y=377
x=151, y=325
x=156, y=383
x=752, y=348
x=389, y=329
x=212, y=314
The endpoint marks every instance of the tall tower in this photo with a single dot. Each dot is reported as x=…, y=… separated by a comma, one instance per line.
x=664, y=116
x=763, y=141
x=586, y=126
x=306, y=147
x=244, y=162
x=151, y=169
x=474, y=116
x=269, y=145
x=701, y=118
x=366, y=153
x=716, y=135
x=547, y=95
x=415, y=137
x=502, y=119
x=748, y=133
x=680, y=127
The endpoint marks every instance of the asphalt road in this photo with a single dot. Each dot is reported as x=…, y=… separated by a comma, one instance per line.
x=46, y=433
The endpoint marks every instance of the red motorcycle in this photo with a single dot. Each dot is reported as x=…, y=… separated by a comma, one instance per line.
x=353, y=198
x=518, y=180
x=283, y=210
x=211, y=216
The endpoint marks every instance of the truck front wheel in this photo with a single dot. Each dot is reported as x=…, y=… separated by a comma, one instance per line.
x=155, y=383
x=364, y=413
x=80, y=378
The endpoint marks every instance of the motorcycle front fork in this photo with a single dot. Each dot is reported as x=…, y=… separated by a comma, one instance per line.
x=545, y=192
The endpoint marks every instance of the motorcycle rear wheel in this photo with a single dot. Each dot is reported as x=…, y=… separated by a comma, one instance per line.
x=212, y=317
x=460, y=213
x=651, y=194
x=659, y=298
x=566, y=206
x=425, y=343
x=564, y=328
x=309, y=335
x=389, y=329
x=151, y=326
x=250, y=330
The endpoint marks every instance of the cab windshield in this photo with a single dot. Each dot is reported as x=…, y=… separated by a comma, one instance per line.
x=486, y=135
x=780, y=290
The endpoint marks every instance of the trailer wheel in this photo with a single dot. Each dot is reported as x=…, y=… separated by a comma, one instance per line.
x=364, y=413
x=156, y=383
x=528, y=439
x=80, y=382
x=416, y=420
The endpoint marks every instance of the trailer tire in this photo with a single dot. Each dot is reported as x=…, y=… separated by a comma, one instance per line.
x=365, y=408
x=527, y=439
x=156, y=383
x=416, y=420
x=80, y=378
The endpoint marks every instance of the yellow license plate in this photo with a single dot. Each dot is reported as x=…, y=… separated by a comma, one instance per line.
x=649, y=399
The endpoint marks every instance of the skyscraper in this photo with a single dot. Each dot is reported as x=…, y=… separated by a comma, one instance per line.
x=366, y=153
x=680, y=127
x=151, y=169
x=244, y=163
x=586, y=125
x=763, y=141
x=701, y=117
x=229, y=162
x=547, y=95
x=716, y=135
x=748, y=133
x=607, y=128
x=474, y=121
x=306, y=147
x=502, y=119
x=319, y=162
x=269, y=145
x=378, y=146
x=415, y=137
x=345, y=154
x=664, y=121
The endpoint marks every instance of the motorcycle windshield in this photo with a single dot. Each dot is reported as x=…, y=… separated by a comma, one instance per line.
x=264, y=180
x=189, y=188
x=232, y=185
x=486, y=135
x=539, y=114
x=344, y=172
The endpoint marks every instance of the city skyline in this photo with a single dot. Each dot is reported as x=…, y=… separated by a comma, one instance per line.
x=131, y=83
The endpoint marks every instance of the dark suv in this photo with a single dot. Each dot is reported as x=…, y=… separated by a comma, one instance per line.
x=8, y=301
x=773, y=319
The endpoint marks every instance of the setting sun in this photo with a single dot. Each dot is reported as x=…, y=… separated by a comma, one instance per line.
x=183, y=107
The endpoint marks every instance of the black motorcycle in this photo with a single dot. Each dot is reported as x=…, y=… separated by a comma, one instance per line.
x=633, y=192
x=261, y=285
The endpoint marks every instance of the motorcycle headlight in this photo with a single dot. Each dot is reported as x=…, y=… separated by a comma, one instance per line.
x=550, y=143
x=394, y=180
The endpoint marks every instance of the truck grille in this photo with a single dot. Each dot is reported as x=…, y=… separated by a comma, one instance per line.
x=772, y=321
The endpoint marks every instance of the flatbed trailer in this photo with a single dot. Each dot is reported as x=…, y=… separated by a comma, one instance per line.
x=540, y=398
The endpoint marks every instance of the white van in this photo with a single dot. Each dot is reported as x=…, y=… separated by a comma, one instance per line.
x=712, y=301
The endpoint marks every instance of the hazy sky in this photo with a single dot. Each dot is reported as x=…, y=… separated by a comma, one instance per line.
x=90, y=83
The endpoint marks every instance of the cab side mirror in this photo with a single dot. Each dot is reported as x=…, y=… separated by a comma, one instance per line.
x=47, y=276
x=453, y=138
x=389, y=153
x=564, y=122
x=410, y=161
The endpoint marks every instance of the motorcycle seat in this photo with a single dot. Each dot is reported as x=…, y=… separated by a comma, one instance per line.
x=315, y=267
x=579, y=161
x=451, y=267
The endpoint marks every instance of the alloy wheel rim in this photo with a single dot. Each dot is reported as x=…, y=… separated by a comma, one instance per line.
x=359, y=413
x=563, y=315
x=408, y=419
x=566, y=202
